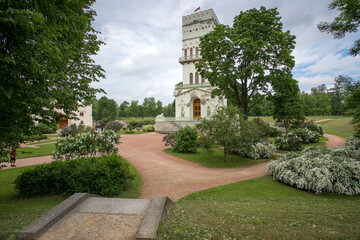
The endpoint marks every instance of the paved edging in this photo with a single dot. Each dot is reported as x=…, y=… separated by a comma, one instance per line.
x=156, y=213
x=46, y=221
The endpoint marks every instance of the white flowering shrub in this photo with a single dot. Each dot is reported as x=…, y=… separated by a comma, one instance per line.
x=319, y=169
x=263, y=149
x=291, y=141
x=353, y=144
x=88, y=144
x=311, y=125
x=307, y=135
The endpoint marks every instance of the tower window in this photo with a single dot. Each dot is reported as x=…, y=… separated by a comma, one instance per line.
x=196, y=78
x=202, y=79
x=81, y=114
x=191, y=78
x=196, y=51
x=185, y=52
x=191, y=52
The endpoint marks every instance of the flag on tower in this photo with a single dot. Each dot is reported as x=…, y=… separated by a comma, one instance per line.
x=197, y=9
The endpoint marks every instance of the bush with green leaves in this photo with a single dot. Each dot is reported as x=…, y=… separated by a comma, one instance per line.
x=262, y=149
x=148, y=122
x=133, y=124
x=319, y=169
x=88, y=144
x=42, y=128
x=114, y=126
x=149, y=128
x=311, y=125
x=185, y=140
x=106, y=176
x=33, y=138
x=306, y=135
x=265, y=128
x=353, y=144
x=291, y=141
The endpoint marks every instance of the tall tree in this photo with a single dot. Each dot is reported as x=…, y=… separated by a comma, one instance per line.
x=169, y=110
x=159, y=108
x=243, y=60
x=348, y=21
x=352, y=103
x=106, y=110
x=149, y=105
x=133, y=109
x=338, y=93
x=122, y=108
x=322, y=101
x=45, y=62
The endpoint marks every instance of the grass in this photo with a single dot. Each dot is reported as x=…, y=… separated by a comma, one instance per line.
x=17, y=212
x=216, y=160
x=262, y=209
x=341, y=127
x=126, y=132
x=43, y=150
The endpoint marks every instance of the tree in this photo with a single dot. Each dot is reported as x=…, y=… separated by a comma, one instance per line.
x=288, y=107
x=159, y=108
x=169, y=110
x=149, y=106
x=225, y=127
x=338, y=93
x=322, y=101
x=133, y=109
x=348, y=21
x=352, y=104
x=122, y=108
x=243, y=60
x=106, y=110
x=45, y=63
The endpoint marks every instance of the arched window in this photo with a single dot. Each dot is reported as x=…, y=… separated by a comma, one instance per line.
x=196, y=108
x=182, y=112
x=191, y=78
x=81, y=114
x=208, y=111
x=196, y=78
x=191, y=52
x=202, y=79
x=185, y=52
x=196, y=51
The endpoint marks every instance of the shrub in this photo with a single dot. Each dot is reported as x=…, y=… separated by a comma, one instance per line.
x=306, y=135
x=114, y=126
x=42, y=128
x=148, y=122
x=319, y=169
x=290, y=142
x=88, y=144
x=353, y=144
x=265, y=128
x=106, y=176
x=169, y=140
x=263, y=149
x=185, y=140
x=311, y=125
x=133, y=124
x=149, y=128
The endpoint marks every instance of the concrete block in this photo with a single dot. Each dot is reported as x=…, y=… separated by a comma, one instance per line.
x=46, y=221
x=156, y=213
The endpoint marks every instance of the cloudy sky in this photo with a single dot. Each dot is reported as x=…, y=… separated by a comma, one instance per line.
x=143, y=43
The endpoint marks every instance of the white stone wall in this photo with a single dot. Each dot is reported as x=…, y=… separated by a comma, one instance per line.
x=84, y=115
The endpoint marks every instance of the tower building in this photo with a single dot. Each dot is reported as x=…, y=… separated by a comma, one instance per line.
x=193, y=95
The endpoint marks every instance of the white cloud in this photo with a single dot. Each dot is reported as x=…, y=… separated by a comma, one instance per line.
x=143, y=43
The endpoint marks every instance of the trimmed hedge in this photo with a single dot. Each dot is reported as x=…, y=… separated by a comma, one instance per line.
x=106, y=176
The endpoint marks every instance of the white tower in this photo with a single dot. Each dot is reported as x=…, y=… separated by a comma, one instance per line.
x=193, y=95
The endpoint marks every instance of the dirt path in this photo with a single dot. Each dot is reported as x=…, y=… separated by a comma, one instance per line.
x=163, y=174
x=334, y=141
x=23, y=162
x=323, y=120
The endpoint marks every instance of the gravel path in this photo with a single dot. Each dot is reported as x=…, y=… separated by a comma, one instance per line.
x=163, y=174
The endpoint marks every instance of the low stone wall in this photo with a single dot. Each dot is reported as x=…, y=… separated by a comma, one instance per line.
x=173, y=126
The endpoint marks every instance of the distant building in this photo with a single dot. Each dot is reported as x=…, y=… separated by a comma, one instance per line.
x=193, y=95
x=84, y=115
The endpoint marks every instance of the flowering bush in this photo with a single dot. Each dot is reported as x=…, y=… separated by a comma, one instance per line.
x=88, y=144
x=306, y=135
x=149, y=128
x=263, y=149
x=169, y=140
x=319, y=169
x=290, y=142
x=311, y=125
x=183, y=141
x=114, y=126
x=265, y=128
x=71, y=130
x=353, y=144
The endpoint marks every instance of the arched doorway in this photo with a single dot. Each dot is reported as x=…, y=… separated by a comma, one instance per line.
x=196, y=108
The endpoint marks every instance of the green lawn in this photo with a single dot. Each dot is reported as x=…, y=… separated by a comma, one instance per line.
x=216, y=160
x=338, y=126
x=17, y=212
x=43, y=150
x=262, y=209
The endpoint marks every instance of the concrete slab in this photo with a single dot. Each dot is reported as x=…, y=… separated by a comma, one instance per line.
x=106, y=218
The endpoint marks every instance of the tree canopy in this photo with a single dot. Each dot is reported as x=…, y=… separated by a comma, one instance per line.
x=348, y=21
x=244, y=60
x=46, y=64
